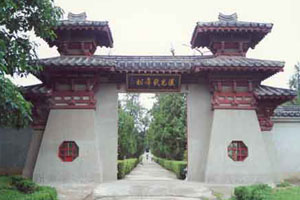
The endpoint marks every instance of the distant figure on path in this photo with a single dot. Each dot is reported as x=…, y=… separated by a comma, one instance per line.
x=147, y=156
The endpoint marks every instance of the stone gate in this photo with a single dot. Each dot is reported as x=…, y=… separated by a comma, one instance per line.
x=229, y=110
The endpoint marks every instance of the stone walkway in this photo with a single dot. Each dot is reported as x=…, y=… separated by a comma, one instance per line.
x=151, y=181
x=150, y=171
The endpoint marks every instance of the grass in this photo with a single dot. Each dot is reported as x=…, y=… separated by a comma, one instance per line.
x=9, y=191
x=283, y=191
x=286, y=193
x=218, y=195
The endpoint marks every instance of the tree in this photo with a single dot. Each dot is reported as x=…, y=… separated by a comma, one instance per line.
x=167, y=131
x=127, y=143
x=133, y=124
x=17, y=19
x=295, y=83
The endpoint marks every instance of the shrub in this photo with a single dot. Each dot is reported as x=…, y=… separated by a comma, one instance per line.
x=283, y=184
x=23, y=185
x=19, y=188
x=185, y=155
x=253, y=192
x=178, y=167
x=126, y=166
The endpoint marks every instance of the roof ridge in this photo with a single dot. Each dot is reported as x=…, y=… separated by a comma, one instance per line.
x=267, y=86
x=163, y=56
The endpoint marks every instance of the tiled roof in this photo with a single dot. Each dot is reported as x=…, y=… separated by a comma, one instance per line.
x=287, y=111
x=232, y=21
x=227, y=24
x=36, y=90
x=81, y=24
x=162, y=63
x=236, y=61
x=263, y=92
x=80, y=61
x=238, y=24
x=78, y=22
x=153, y=63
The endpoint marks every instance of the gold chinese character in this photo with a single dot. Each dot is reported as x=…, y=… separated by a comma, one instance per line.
x=164, y=82
x=139, y=82
x=148, y=81
x=171, y=82
x=156, y=82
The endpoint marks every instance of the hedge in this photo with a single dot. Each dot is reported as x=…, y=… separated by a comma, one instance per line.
x=265, y=192
x=178, y=167
x=253, y=192
x=126, y=166
x=19, y=188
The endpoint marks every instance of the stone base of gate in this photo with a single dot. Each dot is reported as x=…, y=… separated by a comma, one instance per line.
x=238, y=125
x=77, y=125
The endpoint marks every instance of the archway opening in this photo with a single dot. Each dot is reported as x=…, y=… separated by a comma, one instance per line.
x=152, y=133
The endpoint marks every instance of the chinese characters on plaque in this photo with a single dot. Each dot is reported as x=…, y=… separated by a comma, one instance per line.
x=153, y=82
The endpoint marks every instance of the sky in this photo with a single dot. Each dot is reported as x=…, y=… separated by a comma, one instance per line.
x=153, y=27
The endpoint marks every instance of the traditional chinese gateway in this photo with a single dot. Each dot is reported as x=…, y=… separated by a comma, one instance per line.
x=230, y=113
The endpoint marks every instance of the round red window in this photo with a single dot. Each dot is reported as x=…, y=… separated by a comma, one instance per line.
x=237, y=151
x=68, y=151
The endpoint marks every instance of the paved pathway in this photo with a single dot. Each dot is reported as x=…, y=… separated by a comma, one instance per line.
x=150, y=171
x=150, y=181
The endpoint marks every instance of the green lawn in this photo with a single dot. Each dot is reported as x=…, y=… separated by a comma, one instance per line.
x=286, y=193
x=283, y=191
x=9, y=191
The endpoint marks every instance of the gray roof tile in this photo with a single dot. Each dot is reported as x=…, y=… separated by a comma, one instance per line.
x=179, y=63
x=232, y=21
x=263, y=91
x=78, y=22
x=36, y=90
x=287, y=111
x=229, y=24
x=69, y=23
x=239, y=24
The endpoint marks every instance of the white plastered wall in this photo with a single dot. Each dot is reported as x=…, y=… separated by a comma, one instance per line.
x=199, y=118
x=286, y=136
x=107, y=129
x=69, y=125
x=96, y=134
x=239, y=125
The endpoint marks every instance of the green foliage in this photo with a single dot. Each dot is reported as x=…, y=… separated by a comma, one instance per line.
x=5, y=183
x=132, y=127
x=218, y=195
x=126, y=166
x=15, y=111
x=294, y=83
x=185, y=155
x=175, y=166
x=264, y=192
x=127, y=135
x=17, y=52
x=283, y=184
x=294, y=80
x=254, y=192
x=286, y=193
x=9, y=189
x=23, y=185
x=167, y=132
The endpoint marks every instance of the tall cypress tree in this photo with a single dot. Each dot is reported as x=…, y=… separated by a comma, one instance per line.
x=167, y=132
